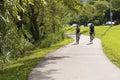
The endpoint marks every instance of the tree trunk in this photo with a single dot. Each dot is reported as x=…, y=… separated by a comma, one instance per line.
x=34, y=26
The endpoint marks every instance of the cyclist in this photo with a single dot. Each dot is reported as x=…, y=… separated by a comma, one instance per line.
x=92, y=31
x=77, y=34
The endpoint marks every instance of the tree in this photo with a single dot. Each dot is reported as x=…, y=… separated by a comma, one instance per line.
x=23, y=21
x=101, y=7
x=94, y=11
x=116, y=4
x=87, y=13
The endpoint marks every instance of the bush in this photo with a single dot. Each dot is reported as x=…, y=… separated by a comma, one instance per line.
x=51, y=39
x=13, y=45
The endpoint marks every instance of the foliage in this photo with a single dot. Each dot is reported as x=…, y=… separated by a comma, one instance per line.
x=115, y=4
x=25, y=24
x=94, y=11
x=9, y=39
x=87, y=13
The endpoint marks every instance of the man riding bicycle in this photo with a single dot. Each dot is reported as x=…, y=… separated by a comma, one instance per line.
x=77, y=34
x=92, y=31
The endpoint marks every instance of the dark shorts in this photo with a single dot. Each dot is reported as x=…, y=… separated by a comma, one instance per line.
x=91, y=33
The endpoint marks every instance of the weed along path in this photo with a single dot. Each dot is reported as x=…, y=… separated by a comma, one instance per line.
x=84, y=61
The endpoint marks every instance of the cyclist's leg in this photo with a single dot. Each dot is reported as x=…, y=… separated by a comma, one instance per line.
x=91, y=36
x=77, y=38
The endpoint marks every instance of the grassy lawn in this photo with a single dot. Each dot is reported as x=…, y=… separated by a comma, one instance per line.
x=19, y=69
x=110, y=40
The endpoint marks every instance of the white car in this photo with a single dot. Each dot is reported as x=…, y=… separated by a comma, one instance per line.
x=74, y=25
x=109, y=23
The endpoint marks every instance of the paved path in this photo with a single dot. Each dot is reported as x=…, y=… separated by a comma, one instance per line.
x=76, y=62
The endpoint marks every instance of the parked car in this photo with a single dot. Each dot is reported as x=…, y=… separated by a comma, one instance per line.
x=109, y=23
x=74, y=25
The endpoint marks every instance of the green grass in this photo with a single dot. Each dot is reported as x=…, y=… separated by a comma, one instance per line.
x=110, y=40
x=19, y=69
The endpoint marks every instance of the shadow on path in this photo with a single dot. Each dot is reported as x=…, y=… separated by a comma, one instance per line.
x=90, y=43
x=39, y=73
x=49, y=60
